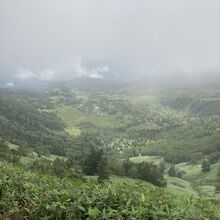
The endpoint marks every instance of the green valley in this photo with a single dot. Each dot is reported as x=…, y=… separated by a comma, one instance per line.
x=130, y=152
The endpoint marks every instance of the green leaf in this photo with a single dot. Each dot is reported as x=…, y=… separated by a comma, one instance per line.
x=93, y=212
x=143, y=199
x=81, y=208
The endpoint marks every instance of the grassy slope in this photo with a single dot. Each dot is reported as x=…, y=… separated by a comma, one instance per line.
x=36, y=196
x=153, y=159
x=194, y=173
x=72, y=117
x=175, y=185
x=194, y=182
x=205, y=181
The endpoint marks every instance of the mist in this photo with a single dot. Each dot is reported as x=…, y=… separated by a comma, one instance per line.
x=110, y=109
x=49, y=40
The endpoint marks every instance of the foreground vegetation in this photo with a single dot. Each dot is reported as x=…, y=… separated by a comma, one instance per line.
x=25, y=195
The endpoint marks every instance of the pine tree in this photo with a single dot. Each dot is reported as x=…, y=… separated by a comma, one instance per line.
x=205, y=166
x=92, y=161
x=172, y=170
x=127, y=164
x=103, y=173
x=162, y=167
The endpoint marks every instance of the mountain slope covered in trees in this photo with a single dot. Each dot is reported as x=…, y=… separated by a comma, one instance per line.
x=163, y=140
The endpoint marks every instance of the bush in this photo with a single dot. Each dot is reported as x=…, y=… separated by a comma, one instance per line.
x=214, y=157
x=26, y=195
x=41, y=165
x=148, y=172
x=175, y=172
x=205, y=165
x=102, y=170
x=59, y=167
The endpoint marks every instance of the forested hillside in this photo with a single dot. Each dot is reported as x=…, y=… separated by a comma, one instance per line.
x=72, y=152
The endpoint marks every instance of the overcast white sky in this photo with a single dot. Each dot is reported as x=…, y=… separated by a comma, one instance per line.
x=46, y=39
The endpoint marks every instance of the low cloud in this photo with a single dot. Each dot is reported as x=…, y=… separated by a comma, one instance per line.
x=63, y=72
x=96, y=72
x=131, y=39
x=9, y=84
x=26, y=74
x=47, y=75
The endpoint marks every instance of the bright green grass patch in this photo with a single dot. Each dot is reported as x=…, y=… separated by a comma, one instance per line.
x=141, y=99
x=194, y=173
x=102, y=121
x=209, y=191
x=72, y=117
x=73, y=131
x=205, y=181
x=175, y=186
x=69, y=115
x=127, y=180
x=34, y=156
x=178, y=186
x=124, y=180
x=151, y=159
x=53, y=157
x=146, y=126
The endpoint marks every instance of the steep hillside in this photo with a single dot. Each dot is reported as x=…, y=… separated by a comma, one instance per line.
x=24, y=120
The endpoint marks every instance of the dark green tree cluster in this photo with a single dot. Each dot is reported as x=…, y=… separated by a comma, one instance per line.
x=96, y=164
x=145, y=171
x=205, y=165
x=214, y=157
x=175, y=172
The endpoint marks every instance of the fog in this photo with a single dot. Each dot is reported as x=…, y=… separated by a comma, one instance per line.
x=120, y=39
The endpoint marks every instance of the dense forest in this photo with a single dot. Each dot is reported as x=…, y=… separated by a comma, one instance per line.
x=73, y=152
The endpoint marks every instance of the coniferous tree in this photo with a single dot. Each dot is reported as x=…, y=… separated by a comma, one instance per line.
x=127, y=164
x=205, y=166
x=92, y=161
x=172, y=170
x=162, y=167
x=102, y=170
x=58, y=167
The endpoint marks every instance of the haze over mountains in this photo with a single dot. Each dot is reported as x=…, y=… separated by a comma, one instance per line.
x=119, y=40
x=110, y=109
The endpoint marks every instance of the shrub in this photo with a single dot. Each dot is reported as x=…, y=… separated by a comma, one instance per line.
x=205, y=165
x=175, y=172
x=27, y=195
